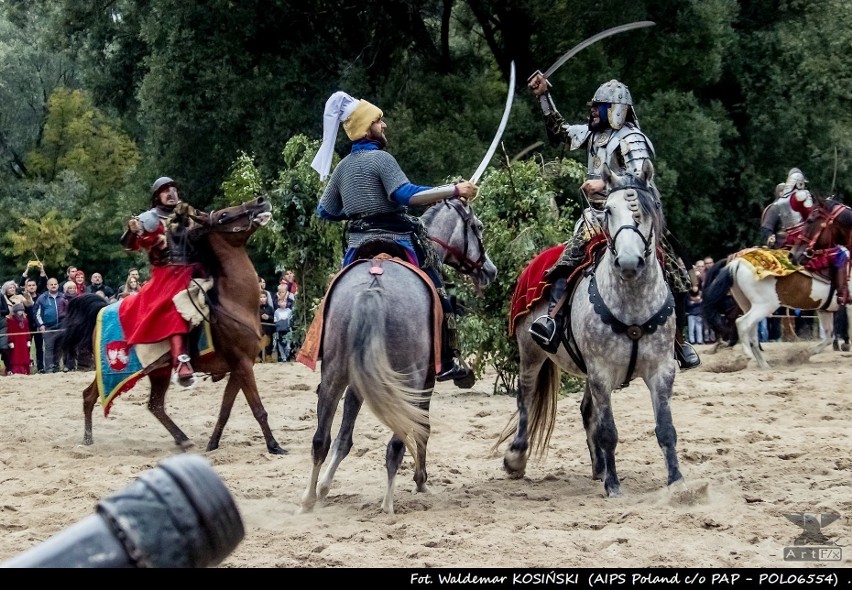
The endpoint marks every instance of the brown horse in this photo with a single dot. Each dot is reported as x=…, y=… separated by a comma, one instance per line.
x=220, y=238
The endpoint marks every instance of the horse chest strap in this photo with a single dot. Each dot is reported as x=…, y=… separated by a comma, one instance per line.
x=634, y=331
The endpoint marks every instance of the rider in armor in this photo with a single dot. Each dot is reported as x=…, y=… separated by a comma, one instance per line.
x=151, y=316
x=801, y=201
x=611, y=136
x=777, y=219
x=369, y=189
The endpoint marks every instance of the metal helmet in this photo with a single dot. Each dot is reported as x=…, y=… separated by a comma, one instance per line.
x=621, y=103
x=795, y=179
x=159, y=185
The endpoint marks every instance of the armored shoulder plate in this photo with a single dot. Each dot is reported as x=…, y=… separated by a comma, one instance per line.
x=578, y=134
x=634, y=146
x=149, y=220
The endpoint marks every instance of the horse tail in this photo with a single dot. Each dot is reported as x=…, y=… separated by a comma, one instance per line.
x=78, y=327
x=718, y=283
x=541, y=413
x=395, y=404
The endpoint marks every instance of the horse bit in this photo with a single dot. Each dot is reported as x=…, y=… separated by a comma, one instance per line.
x=462, y=262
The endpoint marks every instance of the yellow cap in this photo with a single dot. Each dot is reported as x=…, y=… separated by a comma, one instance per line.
x=357, y=125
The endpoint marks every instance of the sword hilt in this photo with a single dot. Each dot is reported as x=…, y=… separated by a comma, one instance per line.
x=539, y=73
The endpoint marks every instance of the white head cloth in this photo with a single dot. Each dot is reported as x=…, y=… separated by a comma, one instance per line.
x=337, y=109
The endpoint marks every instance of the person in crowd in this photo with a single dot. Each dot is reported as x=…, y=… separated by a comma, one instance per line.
x=50, y=310
x=369, y=189
x=8, y=298
x=70, y=274
x=98, y=286
x=269, y=298
x=151, y=316
x=19, y=341
x=610, y=136
x=80, y=282
x=695, y=316
x=267, y=325
x=283, y=325
x=131, y=287
x=32, y=288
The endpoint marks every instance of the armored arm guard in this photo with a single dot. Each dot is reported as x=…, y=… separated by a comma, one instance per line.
x=435, y=194
x=635, y=148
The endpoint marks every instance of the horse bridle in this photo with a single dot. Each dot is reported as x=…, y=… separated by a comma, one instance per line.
x=460, y=260
x=244, y=212
x=809, y=250
x=632, y=199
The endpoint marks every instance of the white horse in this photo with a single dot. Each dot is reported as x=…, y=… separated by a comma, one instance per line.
x=622, y=326
x=760, y=297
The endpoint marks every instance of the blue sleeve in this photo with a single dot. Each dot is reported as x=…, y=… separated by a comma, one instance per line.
x=323, y=214
x=404, y=193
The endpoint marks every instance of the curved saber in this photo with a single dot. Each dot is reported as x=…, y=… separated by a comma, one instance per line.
x=511, y=96
x=594, y=39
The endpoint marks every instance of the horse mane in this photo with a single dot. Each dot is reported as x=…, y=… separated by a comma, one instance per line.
x=427, y=216
x=648, y=196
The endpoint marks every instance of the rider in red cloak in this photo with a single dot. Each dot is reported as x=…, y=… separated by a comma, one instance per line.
x=151, y=316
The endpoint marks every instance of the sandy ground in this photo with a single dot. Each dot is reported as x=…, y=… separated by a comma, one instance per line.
x=753, y=445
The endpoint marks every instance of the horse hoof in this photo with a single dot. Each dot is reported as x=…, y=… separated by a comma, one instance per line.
x=277, y=450
x=514, y=464
x=844, y=347
x=613, y=492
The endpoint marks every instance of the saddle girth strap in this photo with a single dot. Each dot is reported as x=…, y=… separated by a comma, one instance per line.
x=635, y=331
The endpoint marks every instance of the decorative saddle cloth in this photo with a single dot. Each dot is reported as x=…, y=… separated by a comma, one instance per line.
x=119, y=365
x=532, y=284
x=311, y=349
x=768, y=263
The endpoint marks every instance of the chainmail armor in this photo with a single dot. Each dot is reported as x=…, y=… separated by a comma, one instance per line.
x=361, y=185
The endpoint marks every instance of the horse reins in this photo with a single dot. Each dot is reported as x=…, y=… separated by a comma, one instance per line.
x=460, y=259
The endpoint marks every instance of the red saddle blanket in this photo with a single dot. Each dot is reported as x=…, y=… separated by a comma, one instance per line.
x=532, y=285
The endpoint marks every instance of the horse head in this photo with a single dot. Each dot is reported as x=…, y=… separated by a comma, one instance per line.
x=457, y=234
x=633, y=219
x=828, y=225
x=239, y=220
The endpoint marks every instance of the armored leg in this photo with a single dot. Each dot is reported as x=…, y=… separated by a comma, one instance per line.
x=545, y=329
x=184, y=374
x=678, y=279
x=461, y=375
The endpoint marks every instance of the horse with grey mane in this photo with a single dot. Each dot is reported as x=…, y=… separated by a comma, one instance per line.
x=620, y=326
x=380, y=321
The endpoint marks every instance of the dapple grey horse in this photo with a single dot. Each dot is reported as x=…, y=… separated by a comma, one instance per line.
x=378, y=348
x=622, y=325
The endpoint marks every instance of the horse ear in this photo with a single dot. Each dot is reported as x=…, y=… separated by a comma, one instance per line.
x=607, y=176
x=647, y=171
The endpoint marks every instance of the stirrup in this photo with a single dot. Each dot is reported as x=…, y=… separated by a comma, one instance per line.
x=462, y=377
x=543, y=331
x=687, y=358
x=183, y=373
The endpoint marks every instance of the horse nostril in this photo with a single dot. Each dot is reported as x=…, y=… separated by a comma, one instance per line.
x=617, y=263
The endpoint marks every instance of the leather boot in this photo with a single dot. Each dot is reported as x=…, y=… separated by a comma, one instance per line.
x=544, y=330
x=842, y=279
x=450, y=368
x=183, y=374
x=686, y=356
